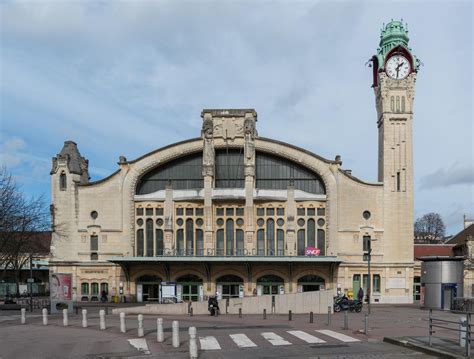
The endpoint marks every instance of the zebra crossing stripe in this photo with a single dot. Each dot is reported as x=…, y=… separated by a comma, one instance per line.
x=275, y=339
x=339, y=336
x=242, y=341
x=209, y=343
x=308, y=338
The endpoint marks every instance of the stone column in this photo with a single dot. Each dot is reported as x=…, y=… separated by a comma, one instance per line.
x=169, y=217
x=290, y=246
x=249, y=163
x=208, y=171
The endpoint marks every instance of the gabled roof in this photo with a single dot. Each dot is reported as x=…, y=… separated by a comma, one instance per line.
x=425, y=250
x=461, y=237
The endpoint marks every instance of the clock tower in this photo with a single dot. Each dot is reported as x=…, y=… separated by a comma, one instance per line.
x=394, y=75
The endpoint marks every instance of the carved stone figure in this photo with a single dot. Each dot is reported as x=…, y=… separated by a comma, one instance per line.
x=208, y=151
x=249, y=134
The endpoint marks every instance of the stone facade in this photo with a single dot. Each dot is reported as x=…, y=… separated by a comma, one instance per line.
x=155, y=220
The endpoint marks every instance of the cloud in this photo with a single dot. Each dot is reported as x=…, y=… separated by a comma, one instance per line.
x=444, y=177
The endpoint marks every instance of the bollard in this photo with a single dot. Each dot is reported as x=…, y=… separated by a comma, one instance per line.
x=289, y=315
x=102, y=319
x=240, y=312
x=191, y=312
x=65, y=318
x=329, y=316
x=310, y=317
x=264, y=314
x=123, y=328
x=159, y=331
x=175, y=339
x=45, y=316
x=462, y=331
x=23, y=315
x=346, y=320
x=366, y=324
x=193, y=349
x=107, y=310
x=84, y=318
x=140, y=325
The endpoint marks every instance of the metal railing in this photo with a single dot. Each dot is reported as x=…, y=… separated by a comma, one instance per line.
x=463, y=304
x=456, y=326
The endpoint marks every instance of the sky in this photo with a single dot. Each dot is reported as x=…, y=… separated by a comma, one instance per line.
x=128, y=77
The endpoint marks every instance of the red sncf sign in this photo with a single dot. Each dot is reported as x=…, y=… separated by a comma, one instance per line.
x=311, y=251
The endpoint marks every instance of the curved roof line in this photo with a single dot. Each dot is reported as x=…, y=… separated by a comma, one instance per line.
x=312, y=154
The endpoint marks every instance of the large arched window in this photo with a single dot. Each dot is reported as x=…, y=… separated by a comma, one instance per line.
x=274, y=172
x=230, y=169
x=182, y=173
x=140, y=248
x=149, y=238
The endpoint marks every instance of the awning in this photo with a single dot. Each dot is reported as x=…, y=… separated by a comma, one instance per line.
x=227, y=259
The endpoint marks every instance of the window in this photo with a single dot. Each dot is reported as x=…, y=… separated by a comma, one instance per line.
x=94, y=256
x=85, y=288
x=308, y=235
x=403, y=103
x=376, y=283
x=140, y=248
x=392, y=103
x=229, y=236
x=189, y=236
x=398, y=103
x=62, y=182
x=220, y=242
x=366, y=243
x=271, y=233
x=179, y=242
x=159, y=242
x=321, y=211
x=94, y=243
x=139, y=211
x=260, y=243
x=149, y=237
x=104, y=287
x=95, y=288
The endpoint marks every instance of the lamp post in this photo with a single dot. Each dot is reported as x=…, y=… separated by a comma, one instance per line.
x=31, y=284
x=368, y=256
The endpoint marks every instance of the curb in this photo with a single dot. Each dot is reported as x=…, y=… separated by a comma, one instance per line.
x=421, y=348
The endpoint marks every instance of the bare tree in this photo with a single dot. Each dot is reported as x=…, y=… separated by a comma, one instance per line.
x=21, y=219
x=430, y=228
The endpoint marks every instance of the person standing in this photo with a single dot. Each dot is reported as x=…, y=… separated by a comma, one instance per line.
x=360, y=294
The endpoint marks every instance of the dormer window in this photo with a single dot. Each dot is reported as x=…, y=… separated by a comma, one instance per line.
x=62, y=182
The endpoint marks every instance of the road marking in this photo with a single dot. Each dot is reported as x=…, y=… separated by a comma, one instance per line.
x=339, y=336
x=140, y=344
x=209, y=343
x=275, y=339
x=242, y=341
x=308, y=338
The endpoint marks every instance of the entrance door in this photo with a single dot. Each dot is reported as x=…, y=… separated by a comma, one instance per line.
x=230, y=285
x=148, y=288
x=150, y=292
x=311, y=283
x=190, y=285
x=449, y=293
x=270, y=284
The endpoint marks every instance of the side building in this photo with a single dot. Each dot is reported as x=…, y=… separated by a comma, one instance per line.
x=239, y=214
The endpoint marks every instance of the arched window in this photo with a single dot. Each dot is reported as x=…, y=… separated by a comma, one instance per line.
x=229, y=229
x=179, y=242
x=140, y=248
x=199, y=242
x=301, y=242
x=392, y=104
x=260, y=243
x=403, y=103
x=240, y=242
x=220, y=242
x=85, y=288
x=159, y=242
x=104, y=287
x=398, y=103
x=95, y=288
x=270, y=237
x=189, y=237
x=322, y=242
x=311, y=239
x=62, y=182
x=149, y=238
x=280, y=242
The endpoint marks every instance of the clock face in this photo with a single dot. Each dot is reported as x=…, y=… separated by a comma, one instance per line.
x=397, y=67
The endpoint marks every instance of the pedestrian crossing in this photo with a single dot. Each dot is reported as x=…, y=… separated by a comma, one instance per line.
x=243, y=341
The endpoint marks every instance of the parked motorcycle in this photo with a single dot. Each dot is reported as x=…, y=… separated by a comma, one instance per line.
x=213, y=306
x=344, y=303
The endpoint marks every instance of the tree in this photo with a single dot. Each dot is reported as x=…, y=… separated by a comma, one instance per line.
x=430, y=228
x=21, y=219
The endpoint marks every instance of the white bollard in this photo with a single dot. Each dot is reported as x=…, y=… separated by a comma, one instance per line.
x=45, y=316
x=462, y=331
x=175, y=339
x=102, y=319
x=65, y=318
x=84, y=318
x=193, y=349
x=23, y=315
x=123, y=328
x=140, y=325
x=159, y=332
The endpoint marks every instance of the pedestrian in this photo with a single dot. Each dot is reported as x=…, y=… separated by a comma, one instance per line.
x=360, y=294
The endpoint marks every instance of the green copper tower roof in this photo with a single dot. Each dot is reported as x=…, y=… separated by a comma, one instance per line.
x=393, y=34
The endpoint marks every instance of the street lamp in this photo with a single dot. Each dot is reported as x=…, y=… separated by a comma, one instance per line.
x=367, y=257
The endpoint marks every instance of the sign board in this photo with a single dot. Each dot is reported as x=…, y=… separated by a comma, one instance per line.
x=30, y=280
x=167, y=290
x=366, y=257
x=312, y=252
x=139, y=293
x=60, y=288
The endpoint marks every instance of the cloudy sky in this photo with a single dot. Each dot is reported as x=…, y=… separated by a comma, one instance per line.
x=127, y=77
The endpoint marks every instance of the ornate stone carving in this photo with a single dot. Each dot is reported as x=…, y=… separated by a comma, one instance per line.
x=208, y=149
x=249, y=145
